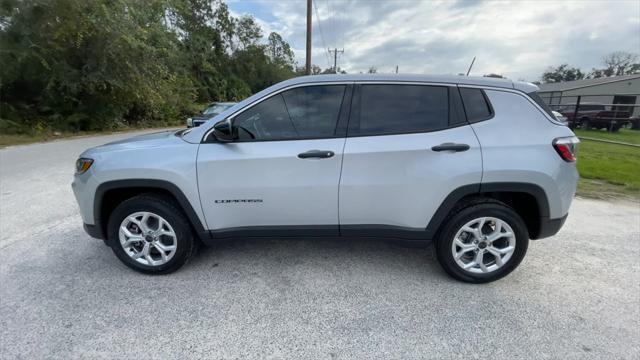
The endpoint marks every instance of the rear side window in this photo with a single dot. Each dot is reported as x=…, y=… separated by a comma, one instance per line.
x=476, y=105
x=395, y=109
x=535, y=97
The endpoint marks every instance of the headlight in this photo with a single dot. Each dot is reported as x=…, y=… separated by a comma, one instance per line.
x=82, y=165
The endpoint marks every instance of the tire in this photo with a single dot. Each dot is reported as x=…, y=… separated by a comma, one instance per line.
x=493, y=269
x=585, y=124
x=174, y=235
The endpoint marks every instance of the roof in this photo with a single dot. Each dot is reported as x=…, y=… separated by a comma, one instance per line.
x=577, y=84
x=450, y=79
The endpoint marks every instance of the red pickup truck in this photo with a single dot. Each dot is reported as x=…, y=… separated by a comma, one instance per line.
x=595, y=116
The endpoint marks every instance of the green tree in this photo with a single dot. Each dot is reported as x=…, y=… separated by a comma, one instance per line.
x=90, y=65
x=616, y=64
x=563, y=72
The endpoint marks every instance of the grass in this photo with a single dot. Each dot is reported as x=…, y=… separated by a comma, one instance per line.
x=624, y=135
x=609, y=170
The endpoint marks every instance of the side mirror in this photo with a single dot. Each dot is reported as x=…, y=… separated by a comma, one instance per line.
x=223, y=131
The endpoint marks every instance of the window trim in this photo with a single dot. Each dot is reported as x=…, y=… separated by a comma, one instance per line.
x=356, y=102
x=486, y=99
x=346, y=100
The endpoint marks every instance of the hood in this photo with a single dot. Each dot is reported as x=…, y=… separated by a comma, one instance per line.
x=137, y=142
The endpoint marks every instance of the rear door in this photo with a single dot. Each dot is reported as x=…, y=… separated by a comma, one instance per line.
x=282, y=173
x=408, y=146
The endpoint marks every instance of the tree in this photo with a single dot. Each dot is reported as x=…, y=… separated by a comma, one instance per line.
x=563, y=72
x=616, y=64
x=280, y=52
x=372, y=70
x=247, y=31
x=91, y=65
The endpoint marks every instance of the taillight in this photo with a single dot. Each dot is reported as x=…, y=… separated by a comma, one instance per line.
x=567, y=148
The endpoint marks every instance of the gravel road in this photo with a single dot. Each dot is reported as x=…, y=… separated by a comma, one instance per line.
x=65, y=295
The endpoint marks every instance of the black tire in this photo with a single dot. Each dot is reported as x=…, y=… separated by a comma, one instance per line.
x=469, y=211
x=186, y=244
x=585, y=124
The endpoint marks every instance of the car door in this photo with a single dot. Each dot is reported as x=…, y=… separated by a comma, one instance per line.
x=280, y=176
x=408, y=146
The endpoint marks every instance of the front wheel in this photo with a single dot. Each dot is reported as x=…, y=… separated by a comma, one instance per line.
x=149, y=233
x=482, y=242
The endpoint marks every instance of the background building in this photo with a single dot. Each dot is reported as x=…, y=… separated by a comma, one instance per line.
x=609, y=90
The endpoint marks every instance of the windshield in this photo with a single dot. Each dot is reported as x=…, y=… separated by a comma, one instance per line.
x=216, y=109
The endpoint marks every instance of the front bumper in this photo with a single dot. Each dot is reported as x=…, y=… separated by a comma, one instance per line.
x=95, y=231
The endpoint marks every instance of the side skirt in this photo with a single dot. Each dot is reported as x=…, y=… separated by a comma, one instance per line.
x=409, y=235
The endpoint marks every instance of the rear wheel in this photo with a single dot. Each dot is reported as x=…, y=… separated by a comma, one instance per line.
x=150, y=234
x=482, y=242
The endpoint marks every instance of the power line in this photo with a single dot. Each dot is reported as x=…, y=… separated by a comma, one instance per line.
x=324, y=44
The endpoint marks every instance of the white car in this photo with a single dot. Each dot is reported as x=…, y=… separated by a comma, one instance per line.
x=477, y=165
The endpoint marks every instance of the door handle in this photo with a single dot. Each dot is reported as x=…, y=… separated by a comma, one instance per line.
x=316, y=154
x=451, y=147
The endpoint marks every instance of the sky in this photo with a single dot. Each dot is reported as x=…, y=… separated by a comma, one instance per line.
x=518, y=39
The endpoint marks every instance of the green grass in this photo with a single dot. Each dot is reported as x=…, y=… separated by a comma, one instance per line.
x=624, y=135
x=608, y=170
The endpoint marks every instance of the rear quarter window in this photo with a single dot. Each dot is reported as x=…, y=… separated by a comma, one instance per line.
x=476, y=104
x=538, y=100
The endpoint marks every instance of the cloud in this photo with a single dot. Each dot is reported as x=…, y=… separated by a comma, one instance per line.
x=518, y=39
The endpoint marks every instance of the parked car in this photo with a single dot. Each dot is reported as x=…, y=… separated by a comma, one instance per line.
x=560, y=117
x=595, y=116
x=209, y=113
x=478, y=165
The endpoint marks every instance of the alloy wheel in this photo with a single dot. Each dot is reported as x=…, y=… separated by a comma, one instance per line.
x=483, y=245
x=148, y=238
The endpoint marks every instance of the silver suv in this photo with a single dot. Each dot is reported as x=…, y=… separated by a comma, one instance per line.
x=477, y=165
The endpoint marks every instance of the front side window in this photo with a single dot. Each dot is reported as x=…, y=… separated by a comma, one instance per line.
x=396, y=109
x=305, y=112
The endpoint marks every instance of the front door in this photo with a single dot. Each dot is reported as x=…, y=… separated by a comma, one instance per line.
x=281, y=175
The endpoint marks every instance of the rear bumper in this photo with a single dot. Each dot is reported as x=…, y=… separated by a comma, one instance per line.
x=549, y=227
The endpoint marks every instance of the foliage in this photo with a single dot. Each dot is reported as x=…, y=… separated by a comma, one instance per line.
x=563, y=72
x=618, y=63
x=94, y=65
x=615, y=64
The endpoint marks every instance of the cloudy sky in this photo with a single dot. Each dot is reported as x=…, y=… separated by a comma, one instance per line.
x=517, y=39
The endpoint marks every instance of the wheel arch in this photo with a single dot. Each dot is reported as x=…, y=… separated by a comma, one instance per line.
x=528, y=200
x=109, y=194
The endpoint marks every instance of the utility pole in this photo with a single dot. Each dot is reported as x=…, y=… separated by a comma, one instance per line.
x=396, y=69
x=308, y=60
x=335, y=58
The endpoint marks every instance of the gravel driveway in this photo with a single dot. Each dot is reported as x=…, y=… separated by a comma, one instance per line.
x=65, y=295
